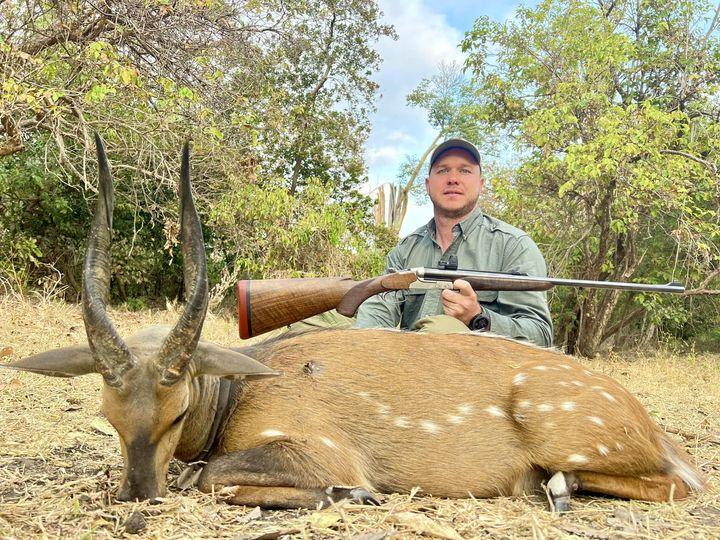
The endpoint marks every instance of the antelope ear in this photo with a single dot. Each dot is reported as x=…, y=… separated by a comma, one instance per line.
x=214, y=360
x=64, y=362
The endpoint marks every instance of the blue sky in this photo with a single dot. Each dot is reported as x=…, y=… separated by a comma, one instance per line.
x=428, y=33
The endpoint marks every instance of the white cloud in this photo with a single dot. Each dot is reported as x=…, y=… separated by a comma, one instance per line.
x=387, y=153
x=400, y=136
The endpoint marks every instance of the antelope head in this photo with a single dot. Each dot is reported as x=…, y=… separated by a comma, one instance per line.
x=153, y=392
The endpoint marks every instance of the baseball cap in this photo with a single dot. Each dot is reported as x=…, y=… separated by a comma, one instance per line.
x=450, y=144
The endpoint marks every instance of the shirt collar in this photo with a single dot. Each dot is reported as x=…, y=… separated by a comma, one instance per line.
x=466, y=226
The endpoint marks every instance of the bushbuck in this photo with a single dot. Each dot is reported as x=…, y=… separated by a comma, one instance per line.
x=307, y=418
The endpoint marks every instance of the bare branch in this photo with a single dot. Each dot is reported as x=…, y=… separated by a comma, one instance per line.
x=708, y=164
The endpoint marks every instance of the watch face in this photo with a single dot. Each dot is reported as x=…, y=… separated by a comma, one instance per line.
x=479, y=322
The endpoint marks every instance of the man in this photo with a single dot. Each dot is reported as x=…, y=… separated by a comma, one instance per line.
x=479, y=242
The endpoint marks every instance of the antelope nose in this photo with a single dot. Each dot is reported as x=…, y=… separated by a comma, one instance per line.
x=138, y=492
x=136, y=497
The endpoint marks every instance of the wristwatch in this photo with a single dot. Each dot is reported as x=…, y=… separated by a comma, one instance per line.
x=479, y=322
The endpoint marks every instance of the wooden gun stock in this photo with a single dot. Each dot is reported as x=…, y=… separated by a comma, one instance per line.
x=267, y=304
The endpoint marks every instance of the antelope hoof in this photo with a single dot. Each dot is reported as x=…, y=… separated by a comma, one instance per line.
x=355, y=494
x=561, y=504
x=559, y=489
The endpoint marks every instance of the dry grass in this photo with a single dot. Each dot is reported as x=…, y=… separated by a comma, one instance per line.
x=59, y=468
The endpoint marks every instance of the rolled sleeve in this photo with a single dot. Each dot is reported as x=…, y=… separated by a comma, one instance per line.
x=523, y=315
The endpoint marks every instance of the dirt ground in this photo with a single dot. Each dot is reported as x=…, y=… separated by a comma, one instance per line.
x=60, y=461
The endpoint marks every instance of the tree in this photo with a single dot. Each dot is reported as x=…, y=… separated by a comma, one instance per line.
x=611, y=107
x=273, y=94
x=319, y=91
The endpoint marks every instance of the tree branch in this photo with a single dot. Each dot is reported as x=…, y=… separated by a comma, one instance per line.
x=708, y=164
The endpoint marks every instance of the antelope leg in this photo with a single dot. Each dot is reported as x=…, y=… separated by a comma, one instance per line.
x=274, y=497
x=264, y=476
x=654, y=488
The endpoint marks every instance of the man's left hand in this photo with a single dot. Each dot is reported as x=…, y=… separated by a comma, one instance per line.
x=462, y=302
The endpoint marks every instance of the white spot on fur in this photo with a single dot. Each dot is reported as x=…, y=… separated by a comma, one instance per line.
x=549, y=425
x=608, y=396
x=430, y=427
x=455, y=419
x=619, y=447
x=465, y=409
x=597, y=420
x=598, y=388
x=564, y=383
x=578, y=459
x=402, y=422
x=520, y=418
x=519, y=379
x=568, y=406
x=578, y=383
x=565, y=366
x=545, y=407
x=588, y=373
x=272, y=433
x=541, y=368
x=328, y=442
x=603, y=450
x=494, y=410
x=383, y=409
x=524, y=404
x=364, y=395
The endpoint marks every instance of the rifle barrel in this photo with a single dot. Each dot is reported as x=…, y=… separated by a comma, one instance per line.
x=452, y=275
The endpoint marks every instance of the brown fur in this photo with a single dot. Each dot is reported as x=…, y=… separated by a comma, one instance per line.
x=445, y=413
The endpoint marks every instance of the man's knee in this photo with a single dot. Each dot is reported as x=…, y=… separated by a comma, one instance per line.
x=328, y=319
x=440, y=324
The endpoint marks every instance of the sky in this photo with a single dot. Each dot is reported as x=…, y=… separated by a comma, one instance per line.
x=428, y=33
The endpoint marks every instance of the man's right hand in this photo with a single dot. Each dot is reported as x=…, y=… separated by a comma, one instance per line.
x=462, y=302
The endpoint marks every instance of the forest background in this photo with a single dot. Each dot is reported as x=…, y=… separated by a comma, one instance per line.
x=607, y=114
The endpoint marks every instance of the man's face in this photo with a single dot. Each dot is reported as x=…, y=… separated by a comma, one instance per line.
x=454, y=184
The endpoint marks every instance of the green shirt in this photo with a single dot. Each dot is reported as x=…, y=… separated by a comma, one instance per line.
x=482, y=243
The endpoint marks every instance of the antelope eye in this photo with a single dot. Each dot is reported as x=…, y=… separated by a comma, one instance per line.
x=179, y=418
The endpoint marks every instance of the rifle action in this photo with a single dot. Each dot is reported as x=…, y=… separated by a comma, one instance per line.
x=267, y=304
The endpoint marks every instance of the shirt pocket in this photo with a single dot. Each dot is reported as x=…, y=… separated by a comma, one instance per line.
x=487, y=297
x=411, y=310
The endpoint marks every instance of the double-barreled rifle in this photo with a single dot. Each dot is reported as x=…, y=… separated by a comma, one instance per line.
x=267, y=304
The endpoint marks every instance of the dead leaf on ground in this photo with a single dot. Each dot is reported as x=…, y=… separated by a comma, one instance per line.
x=586, y=533
x=424, y=525
x=708, y=515
x=103, y=426
x=324, y=520
x=270, y=535
x=371, y=536
x=252, y=515
x=12, y=383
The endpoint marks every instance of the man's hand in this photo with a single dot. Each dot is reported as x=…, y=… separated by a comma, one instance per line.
x=461, y=303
